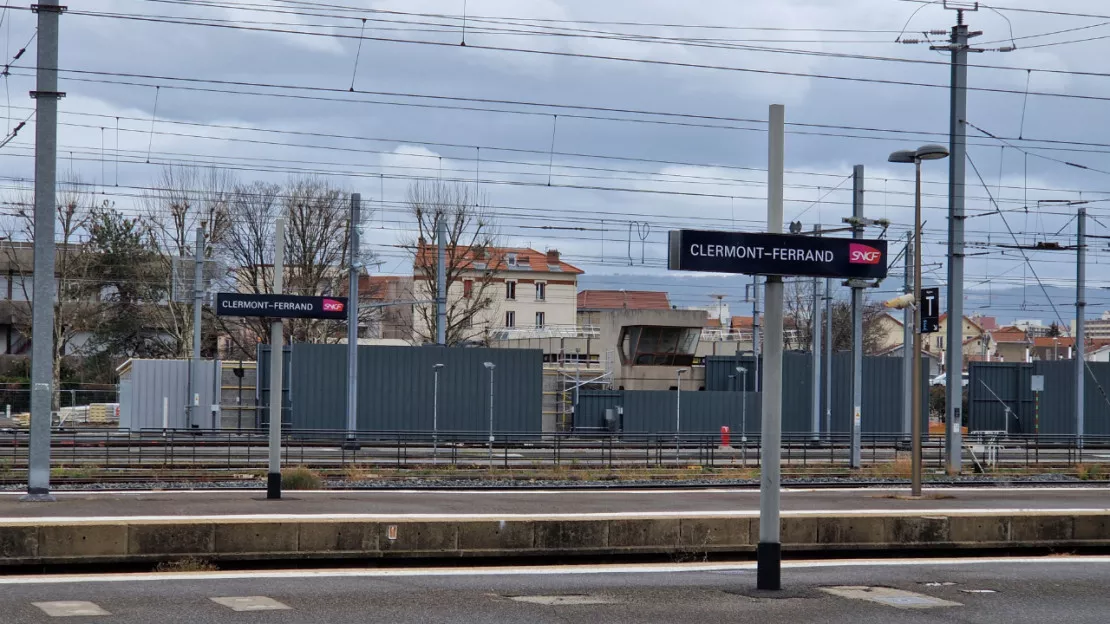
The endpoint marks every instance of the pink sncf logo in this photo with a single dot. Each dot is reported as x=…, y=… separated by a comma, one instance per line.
x=862, y=254
x=331, y=305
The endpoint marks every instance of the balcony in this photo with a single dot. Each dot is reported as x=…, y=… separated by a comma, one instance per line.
x=547, y=331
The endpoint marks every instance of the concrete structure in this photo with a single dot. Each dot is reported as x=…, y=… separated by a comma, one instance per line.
x=529, y=292
x=591, y=303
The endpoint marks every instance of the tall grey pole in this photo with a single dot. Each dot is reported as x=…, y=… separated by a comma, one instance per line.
x=816, y=424
x=857, y=327
x=277, y=343
x=954, y=360
x=915, y=417
x=441, y=279
x=490, y=367
x=1080, y=323
x=435, y=414
x=42, y=306
x=352, y=320
x=829, y=362
x=769, y=551
x=193, y=397
x=908, y=333
x=744, y=408
x=678, y=415
x=756, y=338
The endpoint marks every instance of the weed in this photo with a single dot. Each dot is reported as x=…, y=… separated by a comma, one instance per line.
x=1089, y=472
x=188, y=564
x=300, y=478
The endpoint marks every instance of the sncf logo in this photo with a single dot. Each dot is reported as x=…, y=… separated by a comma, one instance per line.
x=862, y=254
x=331, y=305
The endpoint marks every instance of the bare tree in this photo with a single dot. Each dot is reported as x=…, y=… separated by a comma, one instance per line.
x=798, y=306
x=75, y=308
x=182, y=199
x=470, y=250
x=317, y=237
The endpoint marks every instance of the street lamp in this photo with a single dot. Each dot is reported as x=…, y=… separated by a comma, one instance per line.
x=678, y=412
x=744, y=408
x=925, y=152
x=435, y=414
x=490, y=366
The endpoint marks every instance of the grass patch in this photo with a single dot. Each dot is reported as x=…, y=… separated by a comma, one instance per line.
x=1089, y=472
x=188, y=564
x=300, y=478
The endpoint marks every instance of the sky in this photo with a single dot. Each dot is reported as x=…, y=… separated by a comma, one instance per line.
x=595, y=127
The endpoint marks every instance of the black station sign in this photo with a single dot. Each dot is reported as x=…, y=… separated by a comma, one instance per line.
x=776, y=254
x=281, y=306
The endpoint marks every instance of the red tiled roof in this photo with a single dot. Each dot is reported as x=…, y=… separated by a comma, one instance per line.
x=376, y=286
x=497, y=259
x=1049, y=341
x=988, y=323
x=1009, y=334
x=742, y=322
x=623, y=300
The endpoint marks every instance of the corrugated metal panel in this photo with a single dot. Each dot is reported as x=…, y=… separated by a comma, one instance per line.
x=993, y=387
x=395, y=389
x=144, y=385
x=882, y=408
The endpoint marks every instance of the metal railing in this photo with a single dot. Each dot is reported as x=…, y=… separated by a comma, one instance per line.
x=223, y=451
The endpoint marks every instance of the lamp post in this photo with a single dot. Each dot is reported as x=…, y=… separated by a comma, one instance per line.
x=678, y=413
x=435, y=413
x=490, y=366
x=925, y=152
x=744, y=407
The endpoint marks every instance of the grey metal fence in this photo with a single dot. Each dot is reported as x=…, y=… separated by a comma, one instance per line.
x=1000, y=398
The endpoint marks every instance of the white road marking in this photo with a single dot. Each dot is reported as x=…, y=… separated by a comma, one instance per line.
x=534, y=570
x=564, y=601
x=889, y=596
x=250, y=603
x=70, y=608
x=604, y=515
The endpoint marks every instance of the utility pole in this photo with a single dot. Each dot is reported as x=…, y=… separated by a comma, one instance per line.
x=198, y=307
x=352, y=320
x=908, y=333
x=756, y=339
x=816, y=424
x=957, y=164
x=46, y=97
x=1080, y=322
x=857, y=326
x=441, y=279
x=769, y=550
x=829, y=362
x=277, y=343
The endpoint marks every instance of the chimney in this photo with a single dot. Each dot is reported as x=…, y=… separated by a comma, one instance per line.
x=553, y=256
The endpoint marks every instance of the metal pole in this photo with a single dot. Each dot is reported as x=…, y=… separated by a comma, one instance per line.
x=435, y=414
x=816, y=424
x=829, y=362
x=755, y=331
x=857, y=328
x=769, y=552
x=491, y=417
x=744, y=409
x=277, y=342
x=954, y=361
x=198, y=307
x=1080, y=324
x=915, y=417
x=352, y=321
x=677, y=416
x=441, y=279
x=42, y=306
x=908, y=333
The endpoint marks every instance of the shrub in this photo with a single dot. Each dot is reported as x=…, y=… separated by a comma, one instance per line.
x=300, y=478
x=188, y=564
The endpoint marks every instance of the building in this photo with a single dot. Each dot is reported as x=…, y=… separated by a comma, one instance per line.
x=387, y=307
x=976, y=341
x=1053, y=348
x=933, y=363
x=497, y=293
x=1034, y=328
x=1012, y=344
x=591, y=303
x=1097, y=329
x=890, y=332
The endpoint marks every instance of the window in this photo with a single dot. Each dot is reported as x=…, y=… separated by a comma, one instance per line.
x=510, y=319
x=510, y=259
x=539, y=320
x=659, y=346
x=541, y=291
x=940, y=342
x=468, y=288
x=510, y=291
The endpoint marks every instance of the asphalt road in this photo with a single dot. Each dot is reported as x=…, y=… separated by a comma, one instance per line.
x=1068, y=590
x=500, y=503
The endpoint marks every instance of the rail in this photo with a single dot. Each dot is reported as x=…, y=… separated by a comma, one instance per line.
x=229, y=451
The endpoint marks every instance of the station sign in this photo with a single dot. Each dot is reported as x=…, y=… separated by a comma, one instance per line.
x=776, y=254
x=930, y=310
x=281, y=306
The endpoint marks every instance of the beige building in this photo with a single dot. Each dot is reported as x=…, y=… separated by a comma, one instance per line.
x=530, y=293
x=976, y=341
x=890, y=332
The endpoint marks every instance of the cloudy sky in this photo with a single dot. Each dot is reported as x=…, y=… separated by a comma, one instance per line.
x=595, y=126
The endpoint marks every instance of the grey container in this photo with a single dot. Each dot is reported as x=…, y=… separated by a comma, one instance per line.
x=144, y=384
x=395, y=388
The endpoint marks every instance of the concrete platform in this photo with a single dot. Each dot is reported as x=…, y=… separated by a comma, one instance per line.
x=683, y=525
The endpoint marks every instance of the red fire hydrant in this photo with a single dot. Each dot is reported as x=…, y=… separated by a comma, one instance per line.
x=725, y=437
